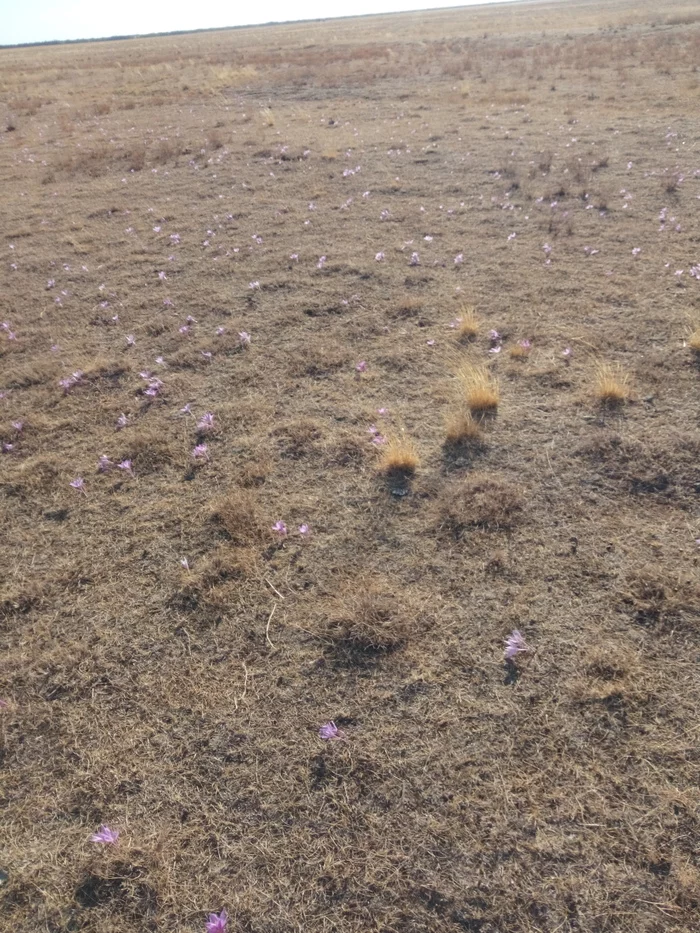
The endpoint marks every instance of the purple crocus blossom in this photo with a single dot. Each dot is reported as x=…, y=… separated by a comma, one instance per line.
x=217, y=922
x=7, y=448
x=206, y=422
x=17, y=425
x=105, y=835
x=361, y=367
x=280, y=528
x=379, y=257
x=244, y=338
x=304, y=530
x=130, y=340
x=122, y=421
x=200, y=452
x=515, y=644
x=126, y=466
x=329, y=731
x=79, y=484
x=104, y=464
x=414, y=260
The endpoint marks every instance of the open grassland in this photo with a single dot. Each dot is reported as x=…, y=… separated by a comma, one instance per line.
x=331, y=355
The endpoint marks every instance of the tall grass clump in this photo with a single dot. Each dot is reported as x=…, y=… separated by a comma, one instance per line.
x=468, y=324
x=611, y=384
x=480, y=390
x=399, y=455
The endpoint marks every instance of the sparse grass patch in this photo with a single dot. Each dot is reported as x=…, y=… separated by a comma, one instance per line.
x=461, y=428
x=468, y=324
x=481, y=500
x=366, y=618
x=479, y=388
x=611, y=385
x=694, y=341
x=399, y=456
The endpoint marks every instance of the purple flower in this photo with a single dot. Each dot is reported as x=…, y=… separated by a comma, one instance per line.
x=187, y=410
x=184, y=329
x=636, y=251
x=361, y=367
x=206, y=354
x=244, y=338
x=379, y=257
x=494, y=336
x=162, y=276
x=17, y=425
x=566, y=353
x=379, y=439
x=254, y=285
x=106, y=835
x=200, y=452
x=525, y=345
x=104, y=464
x=190, y=320
x=280, y=528
x=330, y=731
x=7, y=448
x=168, y=303
x=206, y=422
x=130, y=340
x=304, y=530
x=220, y=331
x=321, y=262
x=515, y=644
x=126, y=466
x=547, y=249
x=185, y=563
x=459, y=259
x=79, y=484
x=217, y=922
x=414, y=260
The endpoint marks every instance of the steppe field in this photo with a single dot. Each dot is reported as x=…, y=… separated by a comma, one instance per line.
x=349, y=475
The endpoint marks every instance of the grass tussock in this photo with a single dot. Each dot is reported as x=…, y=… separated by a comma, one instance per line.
x=399, y=455
x=611, y=385
x=694, y=341
x=462, y=428
x=479, y=388
x=468, y=325
x=238, y=515
x=365, y=619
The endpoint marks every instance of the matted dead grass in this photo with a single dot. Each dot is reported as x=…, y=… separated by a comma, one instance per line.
x=203, y=237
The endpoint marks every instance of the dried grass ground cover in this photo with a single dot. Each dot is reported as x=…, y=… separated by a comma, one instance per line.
x=208, y=281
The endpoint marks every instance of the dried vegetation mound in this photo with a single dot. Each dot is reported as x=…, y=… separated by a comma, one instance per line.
x=481, y=500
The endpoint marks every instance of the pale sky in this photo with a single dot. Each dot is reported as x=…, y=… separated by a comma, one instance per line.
x=43, y=20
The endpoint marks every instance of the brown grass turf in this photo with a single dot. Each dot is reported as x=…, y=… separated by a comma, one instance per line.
x=182, y=706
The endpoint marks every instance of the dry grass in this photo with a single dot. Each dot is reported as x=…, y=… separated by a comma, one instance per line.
x=694, y=340
x=611, y=384
x=398, y=455
x=182, y=706
x=479, y=388
x=461, y=428
x=468, y=325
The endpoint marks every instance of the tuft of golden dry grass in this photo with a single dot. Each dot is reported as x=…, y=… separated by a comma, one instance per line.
x=694, y=340
x=399, y=454
x=461, y=428
x=469, y=324
x=611, y=384
x=479, y=388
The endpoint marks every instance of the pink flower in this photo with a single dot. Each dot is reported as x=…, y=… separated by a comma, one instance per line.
x=104, y=464
x=379, y=439
x=200, y=452
x=321, y=262
x=636, y=251
x=220, y=331
x=547, y=249
x=525, y=345
x=244, y=338
x=494, y=336
x=126, y=466
x=217, y=922
x=361, y=367
x=304, y=530
x=184, y=329
x=294, y=257
x=431, y=343
x=206, y=422
x=329, y=731
x=106, y=835
x=566, y=353
x=379, y=257
x=511, y=236
x=495, y=349
x=254, y=285
x=414, y=260
x=7, y=448
x=515, y=644
x=280, y=528
x=130, y=340
x=382, y=411
x=17, y=425
x=185, y=563
x=206, y=354
x=79, y=484
x=459, y=259
x=50, y=283
x=162, y=276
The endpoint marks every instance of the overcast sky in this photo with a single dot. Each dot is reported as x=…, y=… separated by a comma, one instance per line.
x=43, y=20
